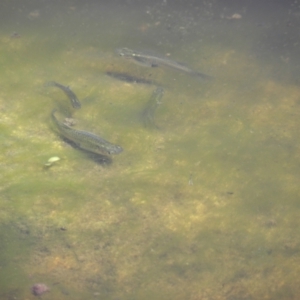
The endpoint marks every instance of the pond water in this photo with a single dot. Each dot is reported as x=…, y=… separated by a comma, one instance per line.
x=203, y=205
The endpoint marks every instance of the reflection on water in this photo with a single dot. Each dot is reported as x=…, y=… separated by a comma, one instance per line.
x=204, y=207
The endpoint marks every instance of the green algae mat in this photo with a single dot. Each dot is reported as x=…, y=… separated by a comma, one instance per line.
x=203, y=205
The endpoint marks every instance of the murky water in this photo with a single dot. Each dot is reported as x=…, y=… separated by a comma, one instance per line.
x=203, y=206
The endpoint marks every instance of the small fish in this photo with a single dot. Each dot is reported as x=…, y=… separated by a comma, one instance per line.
x=148, y=60
x=128, y=78
x=74, y=100
x=86, y=140
x=151, y=106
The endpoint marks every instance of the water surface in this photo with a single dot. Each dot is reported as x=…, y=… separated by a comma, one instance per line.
x=205, y=206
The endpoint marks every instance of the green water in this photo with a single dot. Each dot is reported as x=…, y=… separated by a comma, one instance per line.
x=205, y=206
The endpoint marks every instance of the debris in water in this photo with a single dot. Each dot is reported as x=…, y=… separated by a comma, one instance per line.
x=34, y=14
x=234, y=17
x=15, y=35
x=52, y=160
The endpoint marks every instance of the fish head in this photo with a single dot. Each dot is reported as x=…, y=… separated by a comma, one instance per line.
x=108, y=149
x=115, y=149
x=125, y=52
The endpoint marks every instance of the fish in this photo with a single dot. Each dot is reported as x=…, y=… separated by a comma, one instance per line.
x=151, y=106
x=86, y=140
x=73, y=98
x=148, y=60
x=128, y=78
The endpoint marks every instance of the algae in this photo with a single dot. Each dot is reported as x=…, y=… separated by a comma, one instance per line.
x=206, y=206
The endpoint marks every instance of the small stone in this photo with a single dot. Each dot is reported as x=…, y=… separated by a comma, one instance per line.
x=39, y=289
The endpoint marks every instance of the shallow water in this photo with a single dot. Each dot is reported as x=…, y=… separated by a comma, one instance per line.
x=205, y=206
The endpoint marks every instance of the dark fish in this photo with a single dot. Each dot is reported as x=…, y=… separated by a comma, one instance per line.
x=86, y=140
x=73, y=98
x=128, y=78
x=151, y=106
x=148, y=60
